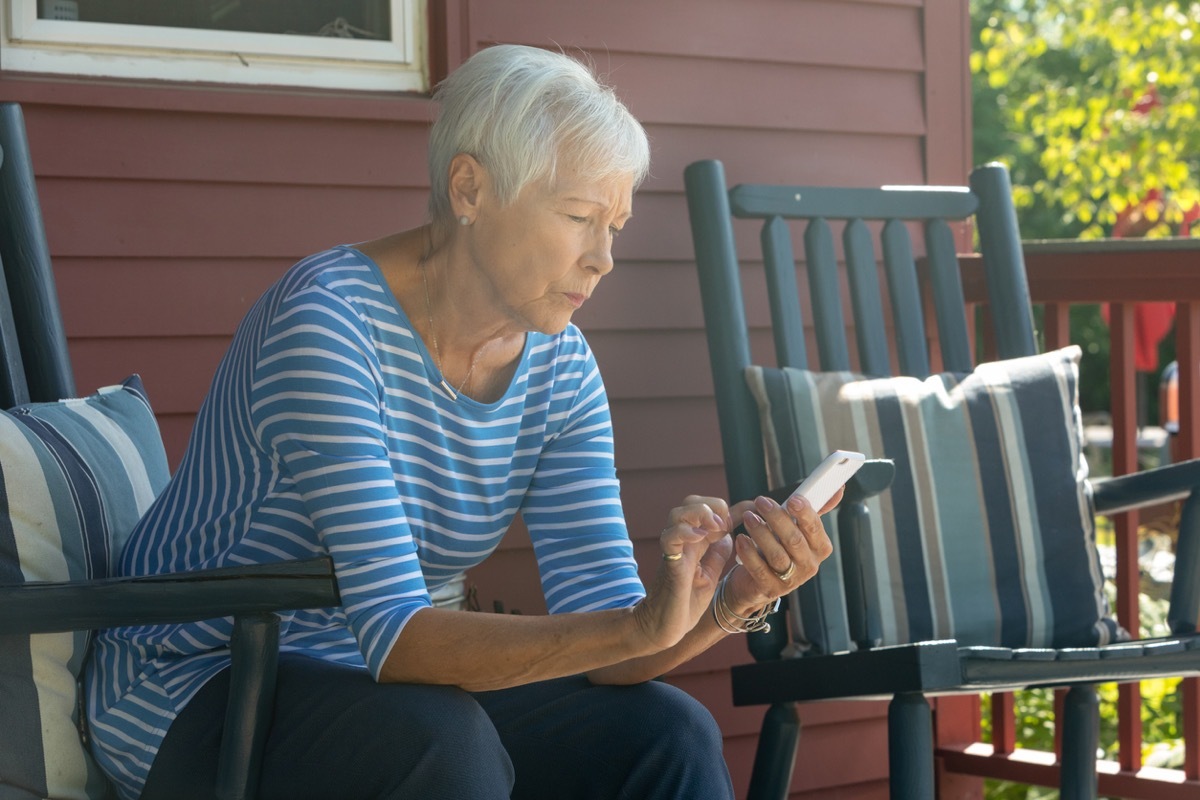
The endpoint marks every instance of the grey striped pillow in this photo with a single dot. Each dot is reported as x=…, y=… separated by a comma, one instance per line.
x=986, y=535
x=74, y=478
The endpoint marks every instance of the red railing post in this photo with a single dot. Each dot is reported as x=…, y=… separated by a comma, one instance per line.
x=1187, y=353
x=1004, y=723
x=1124, y=461
x=1056, y=324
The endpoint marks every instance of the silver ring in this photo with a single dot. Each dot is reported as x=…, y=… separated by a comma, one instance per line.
x=787, y=574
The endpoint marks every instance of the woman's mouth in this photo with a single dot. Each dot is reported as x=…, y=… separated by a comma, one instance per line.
x=575, y=299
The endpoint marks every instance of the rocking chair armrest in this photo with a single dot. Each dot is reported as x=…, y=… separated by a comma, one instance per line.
x=874, y=476
x=176, y=597
x=1159, y=485
x=854, y=536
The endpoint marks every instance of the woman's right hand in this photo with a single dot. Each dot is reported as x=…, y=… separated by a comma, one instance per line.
x=698, y=531
x=782, y=548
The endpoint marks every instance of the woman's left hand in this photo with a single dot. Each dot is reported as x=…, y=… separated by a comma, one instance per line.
x=784, y=547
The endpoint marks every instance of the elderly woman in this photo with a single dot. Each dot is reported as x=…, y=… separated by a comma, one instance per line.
x=394, y=405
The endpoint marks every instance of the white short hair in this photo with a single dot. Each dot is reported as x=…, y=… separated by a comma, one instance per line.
x=519, y=110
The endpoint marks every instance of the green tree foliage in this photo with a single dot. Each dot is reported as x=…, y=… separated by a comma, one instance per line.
x=1093, y=105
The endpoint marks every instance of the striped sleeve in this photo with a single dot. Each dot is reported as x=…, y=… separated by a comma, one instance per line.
x=317, y=408
x=573, y=506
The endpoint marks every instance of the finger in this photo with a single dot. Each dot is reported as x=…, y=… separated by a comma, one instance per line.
x=675, y=539
x=779, y=563
x=741, y=508
x=739, y=514
x=713, y=561
x=718, y=506
x=765, y=578
x=782, y=543
x=804, y=542
x=700, y=515
x=810, y=528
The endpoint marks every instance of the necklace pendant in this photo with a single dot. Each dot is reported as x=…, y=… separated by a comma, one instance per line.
x=453, y=395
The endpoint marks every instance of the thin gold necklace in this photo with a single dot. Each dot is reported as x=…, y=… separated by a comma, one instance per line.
x=437, y=350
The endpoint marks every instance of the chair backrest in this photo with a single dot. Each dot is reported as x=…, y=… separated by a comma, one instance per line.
x=890, y=340
x=34, y=364
x=711, y=206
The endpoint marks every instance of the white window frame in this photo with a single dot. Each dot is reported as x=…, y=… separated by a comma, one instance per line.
x=29, y=44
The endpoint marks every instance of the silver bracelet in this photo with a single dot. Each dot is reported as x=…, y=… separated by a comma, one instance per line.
x=731, y=622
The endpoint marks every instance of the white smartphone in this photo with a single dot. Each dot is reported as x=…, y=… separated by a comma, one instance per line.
x=824, y=481
x=829, y=476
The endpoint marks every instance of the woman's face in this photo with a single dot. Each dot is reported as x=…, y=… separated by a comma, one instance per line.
x=544, y=253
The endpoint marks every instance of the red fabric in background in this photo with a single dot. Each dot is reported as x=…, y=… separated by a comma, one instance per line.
x=1151, y=321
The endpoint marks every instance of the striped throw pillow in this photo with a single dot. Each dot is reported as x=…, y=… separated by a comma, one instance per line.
x=986, y=535
x=74, y=478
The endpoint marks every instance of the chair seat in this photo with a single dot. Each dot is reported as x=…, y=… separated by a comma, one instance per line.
x=995, y=669
x=942, y=667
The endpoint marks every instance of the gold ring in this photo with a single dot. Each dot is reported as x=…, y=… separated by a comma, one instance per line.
x=672, y=556
x=787, y=574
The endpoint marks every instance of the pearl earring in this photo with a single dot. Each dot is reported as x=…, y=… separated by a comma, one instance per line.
x=464, y=220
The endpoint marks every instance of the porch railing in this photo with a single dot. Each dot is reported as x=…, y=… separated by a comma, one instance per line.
x=1120, y=273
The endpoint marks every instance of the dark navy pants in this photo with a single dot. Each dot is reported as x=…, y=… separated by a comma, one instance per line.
x=338, y=734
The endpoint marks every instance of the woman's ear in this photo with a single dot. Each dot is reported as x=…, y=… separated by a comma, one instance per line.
x=468, y=181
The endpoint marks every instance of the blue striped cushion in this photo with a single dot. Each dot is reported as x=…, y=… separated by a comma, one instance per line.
x=986, y=534
x=74, y=478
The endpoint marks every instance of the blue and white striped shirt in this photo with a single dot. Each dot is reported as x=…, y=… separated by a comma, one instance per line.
x=323, y=433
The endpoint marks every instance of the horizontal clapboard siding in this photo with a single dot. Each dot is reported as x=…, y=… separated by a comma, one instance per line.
x=170, y=209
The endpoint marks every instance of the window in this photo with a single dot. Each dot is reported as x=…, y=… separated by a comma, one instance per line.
x=352, y=44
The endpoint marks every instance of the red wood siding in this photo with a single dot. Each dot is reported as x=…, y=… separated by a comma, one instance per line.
x=169, y=209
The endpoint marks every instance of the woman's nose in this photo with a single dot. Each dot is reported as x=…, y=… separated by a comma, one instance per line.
x=599, y=259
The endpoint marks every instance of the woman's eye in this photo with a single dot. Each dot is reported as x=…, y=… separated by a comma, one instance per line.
x=574, y=218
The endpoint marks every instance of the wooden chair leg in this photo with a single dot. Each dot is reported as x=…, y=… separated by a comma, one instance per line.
x=910, y=747
x=1081, y=737
x=775, y=758
x=255, y=649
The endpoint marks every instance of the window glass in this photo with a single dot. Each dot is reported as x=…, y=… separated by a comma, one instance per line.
x=373, y=45
x=349, y=19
